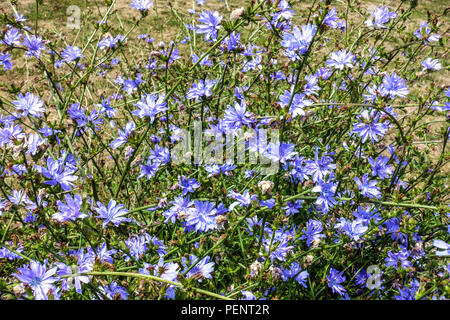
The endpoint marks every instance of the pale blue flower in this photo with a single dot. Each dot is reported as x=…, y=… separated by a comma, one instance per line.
x=297, y=43
x=141, y=5
x=431, y=64
x=113, y=213
x=335, y=278
x=150, y=106
x=442, y=245
x=368, y=187
x=29, y=104
x=210, y=24
x=38, y=278
x=341, y=59
x=380, y=17
x=71, y=53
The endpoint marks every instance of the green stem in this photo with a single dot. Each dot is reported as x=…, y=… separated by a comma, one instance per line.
x=224, y=237
x=150, y=277
x=385, y=203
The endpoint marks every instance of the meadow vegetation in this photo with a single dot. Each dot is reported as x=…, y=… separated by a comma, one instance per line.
x=260, y=149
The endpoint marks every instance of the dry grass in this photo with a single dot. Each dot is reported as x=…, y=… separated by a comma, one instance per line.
x=164, y=23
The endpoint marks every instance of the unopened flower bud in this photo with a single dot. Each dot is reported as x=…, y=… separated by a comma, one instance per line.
x=254, y=268
x=316, y=243
x=182, y=214
x=248, y=135
x=266, y=186
x=18, y=291
x=309, y=258
x=163, y=203
x=128, y=151
x=220, y=220
x=275, y=272
x=155, y=53
x=236, y=13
